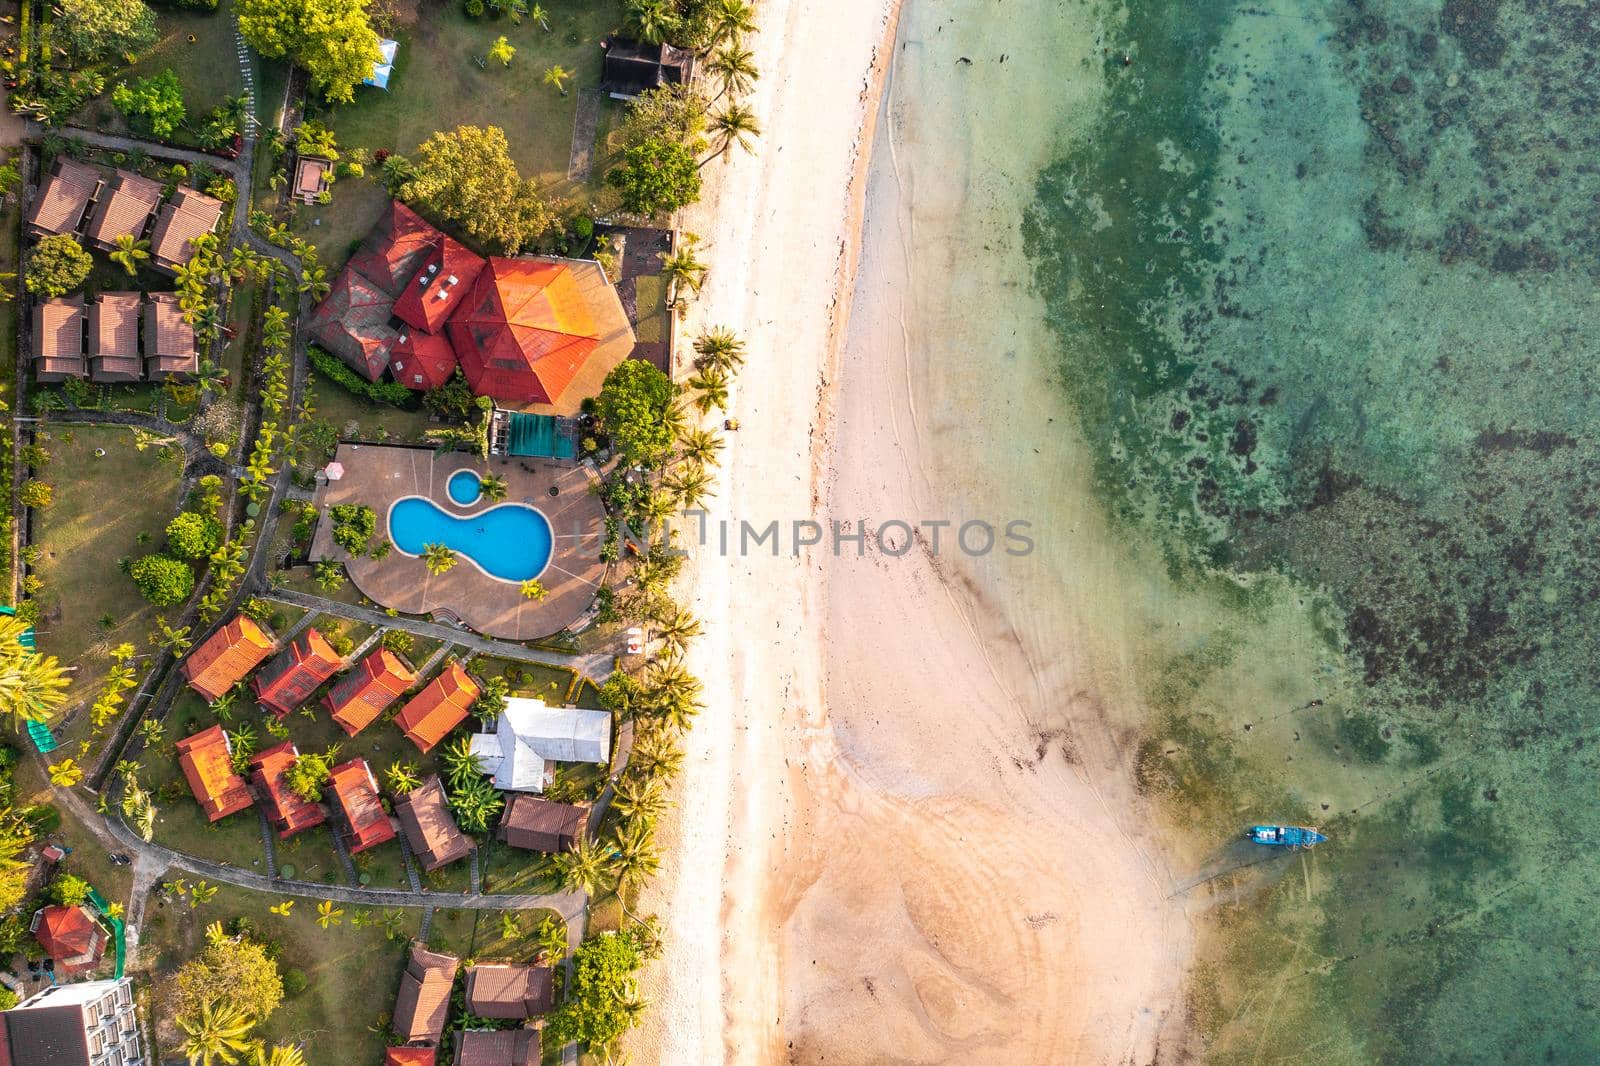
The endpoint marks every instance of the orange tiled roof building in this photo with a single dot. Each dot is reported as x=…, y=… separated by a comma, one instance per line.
x=287, y=812
x=439, y=708
x=362, y=694
x=207, y=761
x=355, y=792
x=289, y=680
x=70, y=936
x=227, y=657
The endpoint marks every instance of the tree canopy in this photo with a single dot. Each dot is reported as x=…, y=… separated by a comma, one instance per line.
x=162, y=579
x=91, y=29
x=193, y=536
x=234, y=970
x=656, y=177
x=56, y=266
x=153, y=105
x=332, y=39
x=596, y=1008
x=466, y=175
x=32, y=686
x=632, y=407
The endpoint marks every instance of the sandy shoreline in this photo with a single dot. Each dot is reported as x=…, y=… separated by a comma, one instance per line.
x=900, y=835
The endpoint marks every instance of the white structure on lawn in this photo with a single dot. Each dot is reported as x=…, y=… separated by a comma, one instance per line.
x=530, y=738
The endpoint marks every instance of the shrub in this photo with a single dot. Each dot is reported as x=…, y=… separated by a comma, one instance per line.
x=399, y=641
x=388, y=392
x=193, y=536
x=353, y=526
x=69, y=890
x=656, y=178
x=36, y=493
x=294, y=982
x=56, y=266
x=162, y=579
x=153, y=105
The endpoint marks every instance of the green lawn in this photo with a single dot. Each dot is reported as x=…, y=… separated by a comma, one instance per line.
x=510, y=869
x=478, y=935
x=81, y=536
x=208, y=67
x=357, y=418
x=352, y=973
x=549, y=683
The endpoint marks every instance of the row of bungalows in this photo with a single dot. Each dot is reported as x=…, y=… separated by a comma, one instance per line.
x=79, y=200
x=119, y=337
x=494, y=991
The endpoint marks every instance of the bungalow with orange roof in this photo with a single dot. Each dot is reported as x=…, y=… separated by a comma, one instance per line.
x=58, y=339
x=410, y=1056
x=362, y=694
x=355, y=794
x=70, y=936
x=127, y=204
x=169, y=349
x=289, y=680
x=439, y=708
x=114, y=338
x=423, y=1002
x=207, y=761
x=226, y=657
x=508, y=993
x=189, y=214
x=65, y=197
x=287, y=812
x=432, y=833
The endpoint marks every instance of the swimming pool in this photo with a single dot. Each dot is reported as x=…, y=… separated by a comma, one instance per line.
x=509, y=541
x=465, y=488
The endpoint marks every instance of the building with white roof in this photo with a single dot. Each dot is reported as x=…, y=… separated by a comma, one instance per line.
x=530, y=738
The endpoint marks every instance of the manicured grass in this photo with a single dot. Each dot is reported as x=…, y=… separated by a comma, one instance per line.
x=453, y=879
x=652, y=304
x=549, y=683
x=337, y=227
x=208, y=67
x=476, y=935
x=508, y=869
x=89, y=859
x=180, y=823
x=357, y=418
x=101, y=507
x=436, y=83
x=352, y=972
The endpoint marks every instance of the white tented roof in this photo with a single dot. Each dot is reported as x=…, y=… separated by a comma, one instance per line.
x=528, y=735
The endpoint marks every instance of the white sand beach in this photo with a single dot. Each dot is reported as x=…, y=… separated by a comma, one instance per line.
x=906, y=829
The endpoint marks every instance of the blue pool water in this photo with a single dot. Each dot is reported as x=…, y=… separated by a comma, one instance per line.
x=464, y=488
x=510, y=541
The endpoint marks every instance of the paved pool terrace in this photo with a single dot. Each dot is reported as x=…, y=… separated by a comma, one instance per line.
x=378, y=475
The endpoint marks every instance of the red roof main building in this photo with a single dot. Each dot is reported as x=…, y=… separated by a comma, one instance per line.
x=207, y=761
x=70, y=936
x=439, y=708
x=418, y=304
x=289, y=680
x=287, y=812
x=355, y=791
x=363, y=693
x=227, y=657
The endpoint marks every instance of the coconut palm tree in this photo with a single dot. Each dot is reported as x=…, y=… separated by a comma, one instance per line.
x=557, y=76
x=652, y=21
x=639, y=798
x=700, y=447
x=438, y=558
x=731, y=20
x=493, y=487
x=65, y=773
x=538, y=14
x=129, y=253
x=219, y=1033
x=475, y=803
x=551, y=938
x=676, y=628
x=459, y=763
x=656, y=752
x=734, y=125
x=328, y=914
x=683, y=270
x=509, y=928
x=314, y=282
x=735, y=65
x=277, y=1055
x=634, y=859
x=402, y=777
x=210, y=377
x=32, y=686
x=710, y=386
x=690, y=485
x=584, y=867
x=719, y=347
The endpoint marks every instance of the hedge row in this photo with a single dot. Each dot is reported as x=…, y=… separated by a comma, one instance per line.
x=332, y=367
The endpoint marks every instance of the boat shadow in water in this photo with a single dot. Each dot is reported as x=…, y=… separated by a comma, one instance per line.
x=1235, y=870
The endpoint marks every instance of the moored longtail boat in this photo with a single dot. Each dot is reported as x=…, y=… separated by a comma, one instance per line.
x=1286, y=836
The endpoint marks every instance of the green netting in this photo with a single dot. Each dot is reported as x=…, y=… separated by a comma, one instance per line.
x=538, y=436
x=118, y=931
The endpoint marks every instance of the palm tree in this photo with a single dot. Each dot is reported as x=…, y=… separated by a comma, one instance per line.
x=314, y=282
x=438, y=558
x=639, y=797
x=734, y=124
x=735, y=65
x=328, y=914
x=509, y=929
x=538, y=14
x=475, y=803
x=653, y=21
x=690, y=485
x=202, y=892
x=219, y=1033
x=656, y=752
x=459, y=763
x=65, y=773
x=711, y=389
x=494, y=488
x=210, y=377
x=634, y=859
x=282, y=909
x=584, y=867
x=32, y=686
x=700, y=447
x=719, y=347
x=676, y=629
x=683, y=270
x=533, y=590
x=551, y=938
x=130, y=252
x=277, y=1055
x=674, y=695
x=731, y=20
x=402, y=777
x=557, y=76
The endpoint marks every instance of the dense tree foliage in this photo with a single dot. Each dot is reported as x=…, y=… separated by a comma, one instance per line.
x=56, y=266
x=467, y=176
x=234, y=970
x=92, y=29
x=162, y=579
x=632, y=407
x=32, y=686
x=153, y=105
x=193, y=536
x=332, y=39
x=596, y=1009
x=656, y=177
x=353, y=526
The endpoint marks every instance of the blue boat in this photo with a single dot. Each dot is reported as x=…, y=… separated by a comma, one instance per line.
x=1285, y=836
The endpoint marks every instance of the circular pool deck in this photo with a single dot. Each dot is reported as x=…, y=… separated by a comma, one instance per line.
x=377, y=475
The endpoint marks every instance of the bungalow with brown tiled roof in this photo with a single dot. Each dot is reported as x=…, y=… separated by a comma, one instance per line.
x=226, y=657
x=169, y=349
x=541, y=825
x=355, y=794
x=207, y=761
x=287, y=812
x=434, y=837
x=63, y=199
x=127, y=204
x=423, y=1002
x=70, y=936
x=58, y=339
x=410, y=1056
x=189, y=214
x=289, y=680
x=312, y=176
x=503, y=991
x=114, y=338
x=497, y=1047
x=362, y=694
x=439, y=708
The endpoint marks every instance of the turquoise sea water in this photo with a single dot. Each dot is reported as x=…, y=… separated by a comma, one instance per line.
x=1324, y=280
x=509, y=541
